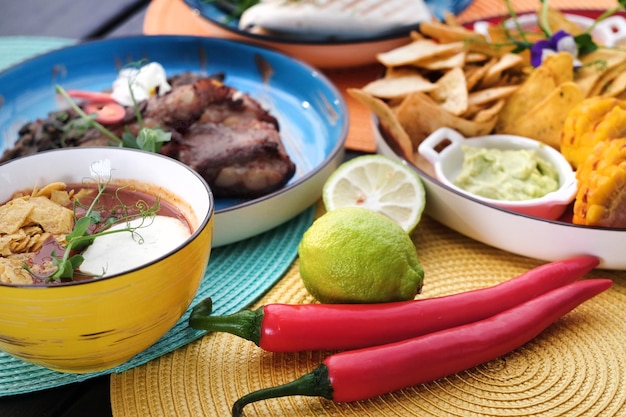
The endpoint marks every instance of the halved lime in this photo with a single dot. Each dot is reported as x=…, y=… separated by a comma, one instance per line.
x=378, y=183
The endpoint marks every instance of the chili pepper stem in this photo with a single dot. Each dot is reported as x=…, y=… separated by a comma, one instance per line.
x=314, y=384
x=245, y=323
x=203, y=308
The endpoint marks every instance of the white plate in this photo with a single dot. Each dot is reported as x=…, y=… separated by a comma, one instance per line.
x=312, y=113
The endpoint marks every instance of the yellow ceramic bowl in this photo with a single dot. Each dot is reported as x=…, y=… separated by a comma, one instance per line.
x=88, y=326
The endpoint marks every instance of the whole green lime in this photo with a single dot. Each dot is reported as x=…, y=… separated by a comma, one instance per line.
x=356, y=255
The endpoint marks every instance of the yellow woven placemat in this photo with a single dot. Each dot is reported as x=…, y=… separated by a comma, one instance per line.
x=575, y=368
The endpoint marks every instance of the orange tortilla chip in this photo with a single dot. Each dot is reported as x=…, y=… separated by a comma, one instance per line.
x=528, y=95
x=544, y=122
x=561, y=65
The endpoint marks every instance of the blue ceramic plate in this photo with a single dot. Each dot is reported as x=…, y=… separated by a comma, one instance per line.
x=328, y=53
x=221, y=17
x=312, y=113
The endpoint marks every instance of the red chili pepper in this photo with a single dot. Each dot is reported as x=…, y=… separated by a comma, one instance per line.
x=91, y=96
x=107, y=113
x=292, y=328
x=365, y=373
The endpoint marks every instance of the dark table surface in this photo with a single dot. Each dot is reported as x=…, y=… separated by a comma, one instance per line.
x=81, y=20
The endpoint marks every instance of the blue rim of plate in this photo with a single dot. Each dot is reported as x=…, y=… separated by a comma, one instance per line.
x=238, y=273
x=217, y=16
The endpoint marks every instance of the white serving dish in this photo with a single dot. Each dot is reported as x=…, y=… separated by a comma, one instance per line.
x=609, y=32
x=448, y=162
x=548, y=240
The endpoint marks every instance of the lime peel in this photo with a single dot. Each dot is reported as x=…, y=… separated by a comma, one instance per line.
x=378, y=183
x=356, y=255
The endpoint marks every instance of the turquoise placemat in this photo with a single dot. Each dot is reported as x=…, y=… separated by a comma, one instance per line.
x=237, y=275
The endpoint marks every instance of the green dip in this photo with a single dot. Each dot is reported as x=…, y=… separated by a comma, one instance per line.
x=510, y=175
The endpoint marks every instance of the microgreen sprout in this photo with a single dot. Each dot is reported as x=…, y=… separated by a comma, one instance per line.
x=147, y=139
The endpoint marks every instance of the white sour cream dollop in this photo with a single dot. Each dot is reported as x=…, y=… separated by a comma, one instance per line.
x=144, y=82
x=123, y=251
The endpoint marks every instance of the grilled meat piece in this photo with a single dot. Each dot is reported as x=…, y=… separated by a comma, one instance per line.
x=222, y=133
x=245, y=158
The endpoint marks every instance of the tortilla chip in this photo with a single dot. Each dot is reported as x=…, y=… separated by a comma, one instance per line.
x=617, y=86
x=387, y=119
x=476, y=57
x=60, y=197
x=420, y=116
x=494, y=73
x=544, y=122
x=398, y=85
x=417, y=50
x=11, y=272
x=451, y=20
x=446, y=33
x=48, y=189
x=442, y=63
x=528, y=95
x=52, y=217
x=557, y=21
x=491, y=94
x=475, y=73
x=14, y=214
x=416, y=36
x=561, y=65
x=606, y=79
x=451, y=93
x=595, y=64
x=489, y=114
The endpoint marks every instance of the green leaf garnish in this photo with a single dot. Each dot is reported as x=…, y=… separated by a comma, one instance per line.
x=148, y=139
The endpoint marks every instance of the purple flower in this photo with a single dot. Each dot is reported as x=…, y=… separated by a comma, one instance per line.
x=559, y=42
